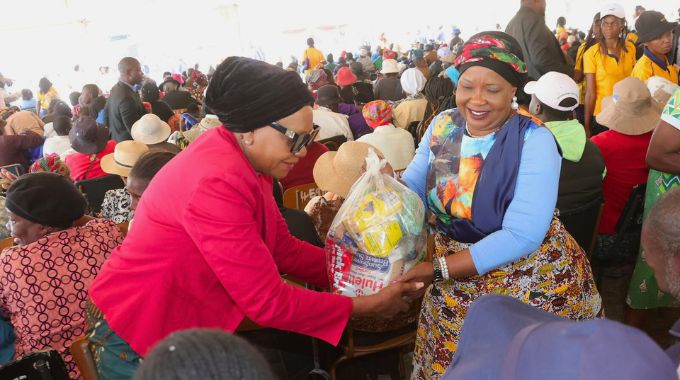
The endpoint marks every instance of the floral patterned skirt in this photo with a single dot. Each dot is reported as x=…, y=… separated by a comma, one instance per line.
x=556, y=278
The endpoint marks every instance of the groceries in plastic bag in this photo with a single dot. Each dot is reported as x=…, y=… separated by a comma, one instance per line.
x=377, y=235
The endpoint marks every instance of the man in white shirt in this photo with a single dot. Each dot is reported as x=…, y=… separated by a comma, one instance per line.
x=59, y=143
x=395, y=143
x=325, y=116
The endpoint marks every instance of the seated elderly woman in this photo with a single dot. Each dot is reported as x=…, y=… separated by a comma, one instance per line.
x=490, y=177
x=213, y=254
x=44, y=279
x=116, y=204
x=90, y=142
x=412, y=108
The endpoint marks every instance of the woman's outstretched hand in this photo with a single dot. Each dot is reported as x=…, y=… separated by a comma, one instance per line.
x=392, y=299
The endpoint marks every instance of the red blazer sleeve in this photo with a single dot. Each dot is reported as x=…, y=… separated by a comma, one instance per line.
x=220, y=219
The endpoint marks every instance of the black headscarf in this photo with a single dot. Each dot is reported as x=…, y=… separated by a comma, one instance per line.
x=46, y=198
x=247, y=94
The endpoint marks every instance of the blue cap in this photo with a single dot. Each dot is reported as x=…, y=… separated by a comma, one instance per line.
x=503, y=338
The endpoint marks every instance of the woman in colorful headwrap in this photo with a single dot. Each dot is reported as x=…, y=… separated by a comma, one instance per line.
x=219, y=247
x=489, y=177
x=395, y=143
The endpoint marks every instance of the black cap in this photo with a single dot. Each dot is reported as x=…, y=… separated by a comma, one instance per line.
x=46, y=198
x=327, y=95
x=651, y=25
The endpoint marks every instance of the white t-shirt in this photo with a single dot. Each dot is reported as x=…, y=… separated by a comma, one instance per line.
x=332, y=124
x=56, y=145
x=396, y=144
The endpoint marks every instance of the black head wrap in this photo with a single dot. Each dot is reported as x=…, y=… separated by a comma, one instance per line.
x=247, y=94
x=46, y=198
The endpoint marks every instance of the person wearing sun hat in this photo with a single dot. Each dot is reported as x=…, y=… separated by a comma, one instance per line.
x=396, y=144
x=504, y=338
x=91, y=143
x=513, y=235
x=656, y=35
x=335, y=173
x=554, y=97
x=389, y=86
x=326, y=116
x=116, y=204
x=154, y=132
x=222, y=240
x=631, y=114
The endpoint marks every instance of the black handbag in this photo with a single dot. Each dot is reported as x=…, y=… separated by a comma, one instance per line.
x=41, y=365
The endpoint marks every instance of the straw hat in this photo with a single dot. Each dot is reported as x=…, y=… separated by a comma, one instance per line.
x=124, y=156
x=150, y=129
x=631, y=110
x=337, y=171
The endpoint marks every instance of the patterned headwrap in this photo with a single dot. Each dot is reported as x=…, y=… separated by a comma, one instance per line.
x=377, y=113
x=497, y=51
x=51, y=164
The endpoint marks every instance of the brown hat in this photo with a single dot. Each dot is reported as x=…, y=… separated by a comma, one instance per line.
x=631, y=110
x=87, y=137
x=337, y=171
x=124, y=156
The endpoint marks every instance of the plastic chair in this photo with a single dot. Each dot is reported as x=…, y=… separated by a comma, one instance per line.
x=95, y=189
x=583, y=223
x=297, y=197
x=82, y=355
x=333, y=143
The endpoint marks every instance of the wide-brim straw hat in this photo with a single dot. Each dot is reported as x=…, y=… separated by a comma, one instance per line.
x=123, y=158
x=631, y=110
x=338, y=171
x=150, y=129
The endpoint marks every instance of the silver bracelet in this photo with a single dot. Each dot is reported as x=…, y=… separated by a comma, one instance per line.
x=444, y=267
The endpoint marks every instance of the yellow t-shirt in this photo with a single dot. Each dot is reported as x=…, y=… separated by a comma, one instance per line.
x=315, y=57
x=45, y=98
x=645, y=68
x=579, y=66
x=608, y=71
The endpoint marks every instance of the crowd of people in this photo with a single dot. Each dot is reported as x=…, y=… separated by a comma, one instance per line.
x=509, y=139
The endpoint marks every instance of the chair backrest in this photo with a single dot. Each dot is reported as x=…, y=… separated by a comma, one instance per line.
x=582, y=222
x=39, y=365
x=15, y=169
x=297, y=197
x=6, y=243
x=82, y=355
x=95, y=189
x=123, y=227
x=333, y=143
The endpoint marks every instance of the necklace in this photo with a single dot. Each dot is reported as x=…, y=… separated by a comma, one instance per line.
x=467, y=130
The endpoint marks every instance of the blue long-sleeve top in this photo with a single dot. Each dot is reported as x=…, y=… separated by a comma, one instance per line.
x=530, y=212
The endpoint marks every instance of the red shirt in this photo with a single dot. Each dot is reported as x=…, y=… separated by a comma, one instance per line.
x=206, y=249
x=79, y=162
x=302, y=171
x=624, y=157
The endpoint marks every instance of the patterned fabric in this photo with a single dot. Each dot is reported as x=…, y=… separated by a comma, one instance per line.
x=671, y=112
x=4, y=217
x=377, y=113
x=486, y=47
x=556, y=278
x=51, y=163
x=644, y=292
x=116, y=206
x=43, y=286
x=457, y=170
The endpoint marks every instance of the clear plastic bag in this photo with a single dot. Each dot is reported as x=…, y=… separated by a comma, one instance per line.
x=377, y=235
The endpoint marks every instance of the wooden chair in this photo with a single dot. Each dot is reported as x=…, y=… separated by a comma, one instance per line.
x=356, y=344
x=6, y=243
x=82, y=355
x=123, y=227
x=297, y=197
x=333, y=143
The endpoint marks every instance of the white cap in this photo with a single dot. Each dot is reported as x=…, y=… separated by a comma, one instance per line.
x=389, y=66
x=612, y=9
x=552, y=88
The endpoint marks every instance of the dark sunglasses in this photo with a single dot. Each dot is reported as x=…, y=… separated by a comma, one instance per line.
x=299, y=141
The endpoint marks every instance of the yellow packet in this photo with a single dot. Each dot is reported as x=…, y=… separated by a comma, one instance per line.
x=380, y=240
x=374, y=209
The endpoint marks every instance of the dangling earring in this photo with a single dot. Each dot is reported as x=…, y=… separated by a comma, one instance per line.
x=514, y=105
